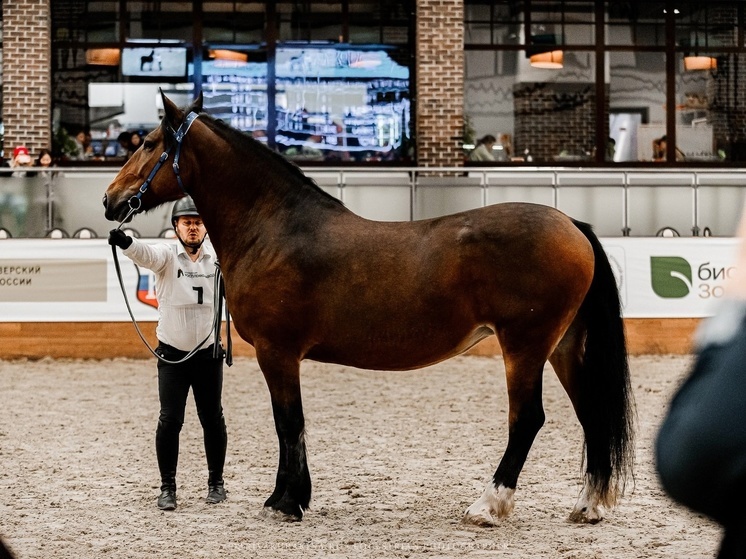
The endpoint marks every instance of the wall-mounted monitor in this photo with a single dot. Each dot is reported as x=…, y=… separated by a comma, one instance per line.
x=330, y=104
x=154, y=62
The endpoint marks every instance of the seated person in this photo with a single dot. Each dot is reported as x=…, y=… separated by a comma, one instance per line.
x=483, y=150
x=659, y=150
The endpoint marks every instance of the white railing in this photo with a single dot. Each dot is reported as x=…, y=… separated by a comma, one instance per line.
x=617, y=201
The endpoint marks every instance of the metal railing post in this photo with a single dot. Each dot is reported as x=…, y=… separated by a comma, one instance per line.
x=625, y=206
x=412, y=193
x=695, y=204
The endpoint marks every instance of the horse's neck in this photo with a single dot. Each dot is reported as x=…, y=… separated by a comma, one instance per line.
x=247, y=202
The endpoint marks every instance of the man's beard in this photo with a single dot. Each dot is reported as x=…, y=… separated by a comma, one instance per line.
x=191, y=248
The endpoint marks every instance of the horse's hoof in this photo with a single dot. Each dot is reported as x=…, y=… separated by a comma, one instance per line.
x=586, y=515
x=483, y=519
x=279, y=516
x=495, y=502
x=588, y=509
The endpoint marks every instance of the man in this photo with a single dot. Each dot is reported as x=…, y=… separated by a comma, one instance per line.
x=701, y=445
x=185, y=275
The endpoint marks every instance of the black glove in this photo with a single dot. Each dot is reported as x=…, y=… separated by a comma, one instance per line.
x=119, y=238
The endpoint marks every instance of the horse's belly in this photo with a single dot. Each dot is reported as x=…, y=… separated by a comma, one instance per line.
x=398, y=350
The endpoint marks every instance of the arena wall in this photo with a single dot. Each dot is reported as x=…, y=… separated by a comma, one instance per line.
x=103, y=340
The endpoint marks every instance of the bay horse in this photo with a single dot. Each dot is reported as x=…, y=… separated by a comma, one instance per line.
x=306, y=278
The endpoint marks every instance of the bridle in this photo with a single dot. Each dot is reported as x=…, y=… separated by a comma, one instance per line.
x=135, y=204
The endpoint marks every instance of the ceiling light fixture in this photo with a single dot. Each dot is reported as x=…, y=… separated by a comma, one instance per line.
x=697, y=61
x=103, y=57
x=548, y=60
x=225, y=54
x=545, y=53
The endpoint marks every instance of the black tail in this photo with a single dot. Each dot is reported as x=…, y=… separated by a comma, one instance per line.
x=606, y=395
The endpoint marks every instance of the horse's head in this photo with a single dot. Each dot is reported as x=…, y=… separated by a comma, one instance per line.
x=151, y=177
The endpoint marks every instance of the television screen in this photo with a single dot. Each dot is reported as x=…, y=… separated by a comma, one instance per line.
x=342, y=104
x=330, y=104
x=154, y=62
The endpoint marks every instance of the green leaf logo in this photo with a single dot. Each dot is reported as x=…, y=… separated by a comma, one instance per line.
x=671, y=276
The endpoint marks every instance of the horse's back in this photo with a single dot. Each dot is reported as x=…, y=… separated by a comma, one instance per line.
x=499, y=239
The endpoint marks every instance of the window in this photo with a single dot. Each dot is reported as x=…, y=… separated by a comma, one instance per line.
x=652, y=69
x=250, y=59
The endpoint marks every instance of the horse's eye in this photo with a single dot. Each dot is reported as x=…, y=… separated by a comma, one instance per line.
x=148, y=145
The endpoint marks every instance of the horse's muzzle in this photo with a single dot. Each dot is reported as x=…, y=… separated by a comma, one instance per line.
x=111, y=212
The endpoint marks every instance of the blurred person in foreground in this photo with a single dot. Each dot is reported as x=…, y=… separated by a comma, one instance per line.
x=185, y=274
x=701, y=445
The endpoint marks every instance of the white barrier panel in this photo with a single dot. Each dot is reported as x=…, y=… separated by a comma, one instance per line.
x=27, y=266
x=670, y=277
x=74, y=280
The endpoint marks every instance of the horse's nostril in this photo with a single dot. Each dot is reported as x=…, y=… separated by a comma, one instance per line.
x=104, y=200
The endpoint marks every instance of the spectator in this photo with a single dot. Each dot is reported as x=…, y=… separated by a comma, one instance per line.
x=83, y=147
x=44, y=159
x=129, y=142
x=124, y=144
x=21, y=160
x=483, y=150
x=42, y=165
x=506, y=142
x=660, y=145
x=701, y=445
x=135, y=142
x=610, y=149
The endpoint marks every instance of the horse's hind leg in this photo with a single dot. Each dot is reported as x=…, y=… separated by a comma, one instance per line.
x=567, y=362
x=292, y=493
x=526, y=416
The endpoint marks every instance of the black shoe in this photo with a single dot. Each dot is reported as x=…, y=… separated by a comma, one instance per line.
x=167, y=499
x=216, y=494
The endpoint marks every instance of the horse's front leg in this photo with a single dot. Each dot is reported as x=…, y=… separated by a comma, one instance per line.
x=292, y=493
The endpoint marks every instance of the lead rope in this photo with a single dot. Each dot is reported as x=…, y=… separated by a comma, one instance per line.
x=215, y=330
x=219, y=297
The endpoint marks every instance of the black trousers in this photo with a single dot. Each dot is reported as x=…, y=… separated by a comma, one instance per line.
x=204, y=374
x=701, y=445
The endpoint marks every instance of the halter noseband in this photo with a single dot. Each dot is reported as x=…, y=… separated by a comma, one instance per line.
x=135, y=203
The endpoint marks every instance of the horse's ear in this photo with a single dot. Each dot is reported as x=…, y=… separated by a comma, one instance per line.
x=196, y=104
x=173, y=114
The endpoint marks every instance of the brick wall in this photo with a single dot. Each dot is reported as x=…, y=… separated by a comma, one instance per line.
x=440, y=82
x=26, y=74
x=555, y=117
x=725, y=93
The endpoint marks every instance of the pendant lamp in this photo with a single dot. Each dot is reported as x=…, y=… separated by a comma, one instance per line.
x=549, y=57
x=697, y=61
x=549, y=60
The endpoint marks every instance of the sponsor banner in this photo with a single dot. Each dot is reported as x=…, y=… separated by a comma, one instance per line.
x=670, y=277
x=33, y=281
x=69, y=280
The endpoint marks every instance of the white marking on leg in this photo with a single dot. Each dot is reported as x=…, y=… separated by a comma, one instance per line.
x=495, y=502
x=587, y=510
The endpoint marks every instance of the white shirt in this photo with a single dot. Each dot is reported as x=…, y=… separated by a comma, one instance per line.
x=184, y=289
